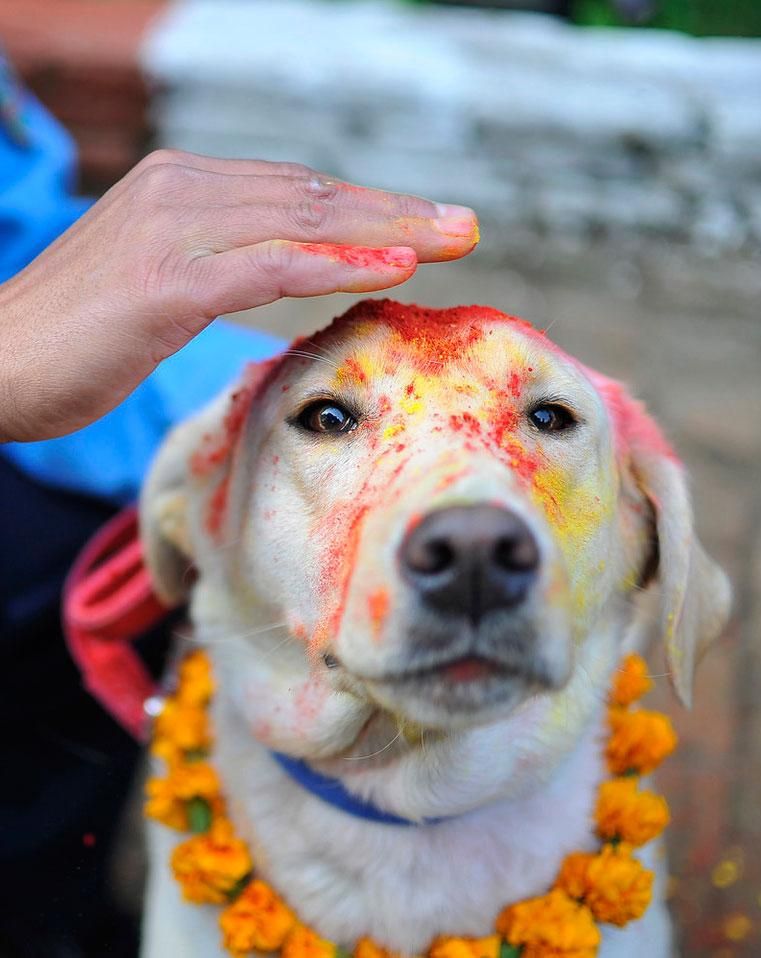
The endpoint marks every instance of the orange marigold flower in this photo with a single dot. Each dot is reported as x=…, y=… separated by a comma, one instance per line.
x=209, y=866
x=553, y=926
x=167, y=751
x=163, y=805
x=614, y=886
x=639, y=741
x=465, y=947
x=258, y=920
x=625, y=813
x=305, y=943
x=630, y=682
x=196, y=684
x=366, y=948
x=187, y=726
x=194, y=780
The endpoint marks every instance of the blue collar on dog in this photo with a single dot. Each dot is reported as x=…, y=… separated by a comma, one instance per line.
x=332, y=791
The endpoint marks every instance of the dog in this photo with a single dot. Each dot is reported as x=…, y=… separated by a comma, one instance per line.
x=422, y=542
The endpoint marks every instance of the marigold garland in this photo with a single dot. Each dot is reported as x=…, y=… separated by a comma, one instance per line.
x=610, y=886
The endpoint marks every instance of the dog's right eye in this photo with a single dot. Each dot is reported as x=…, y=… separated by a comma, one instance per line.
x=326, y=416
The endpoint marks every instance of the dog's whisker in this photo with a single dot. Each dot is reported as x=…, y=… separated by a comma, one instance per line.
x=357, y=758
x=248, y=634
x=307, y=355
x=317, y=347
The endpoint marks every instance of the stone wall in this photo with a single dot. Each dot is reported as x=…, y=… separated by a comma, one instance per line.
x=541, y=126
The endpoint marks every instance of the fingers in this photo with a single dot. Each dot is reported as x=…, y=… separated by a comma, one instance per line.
x=213, y=164
x=222, y=204
x=246, y=210
x=260, y=274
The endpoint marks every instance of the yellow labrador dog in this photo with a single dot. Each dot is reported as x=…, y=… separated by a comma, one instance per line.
x=420, y=541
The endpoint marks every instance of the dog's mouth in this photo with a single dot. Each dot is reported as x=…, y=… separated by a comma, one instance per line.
x=463, y=669
x=466, y=685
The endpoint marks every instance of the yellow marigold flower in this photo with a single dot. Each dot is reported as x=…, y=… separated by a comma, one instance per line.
x=625, y=813
x=366, y=948
x=614, y=886
x=630, y=682
x=209, y=866
x=305, y=943
x=187, y=726
x=465, y=947
x=258, y=920
x=639, y=741
x=196, y=684
x=553, y=926
x=163, y=805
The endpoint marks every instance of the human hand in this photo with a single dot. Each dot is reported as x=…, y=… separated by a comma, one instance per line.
x=175, y=243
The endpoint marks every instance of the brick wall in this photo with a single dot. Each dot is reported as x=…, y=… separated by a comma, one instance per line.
x=543, y=127
x=81, y=58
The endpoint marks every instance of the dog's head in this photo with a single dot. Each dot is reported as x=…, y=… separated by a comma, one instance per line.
x=433, y=515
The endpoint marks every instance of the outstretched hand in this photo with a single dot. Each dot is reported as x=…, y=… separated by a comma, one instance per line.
x=179, y=240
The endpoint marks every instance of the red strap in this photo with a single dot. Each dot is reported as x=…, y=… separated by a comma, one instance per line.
x=108, y=601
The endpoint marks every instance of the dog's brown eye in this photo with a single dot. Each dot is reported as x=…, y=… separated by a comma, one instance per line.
x=326, y=416
x=551, y=417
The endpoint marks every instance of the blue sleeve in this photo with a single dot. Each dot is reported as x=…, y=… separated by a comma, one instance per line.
x=37, y=164
x=109, y=458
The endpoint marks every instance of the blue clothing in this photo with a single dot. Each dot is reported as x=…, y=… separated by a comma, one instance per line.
x=109, y=458
x=71, y=763
x=37, y=164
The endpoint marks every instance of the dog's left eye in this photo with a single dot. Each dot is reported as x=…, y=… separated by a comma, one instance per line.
x=325, y=416
x=551, y=417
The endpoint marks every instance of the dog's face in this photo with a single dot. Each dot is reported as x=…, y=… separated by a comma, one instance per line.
x=438, y=512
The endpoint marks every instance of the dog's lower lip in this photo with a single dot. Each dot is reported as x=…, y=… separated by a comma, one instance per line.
x=464, y=669
x=468, y=669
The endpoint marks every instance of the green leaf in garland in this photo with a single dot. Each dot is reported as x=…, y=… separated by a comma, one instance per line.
x=238, y=887
x=509, y=951
x=199, y=815
x=341, y=953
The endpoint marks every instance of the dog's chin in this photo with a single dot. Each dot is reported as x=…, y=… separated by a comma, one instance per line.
x=463, y=693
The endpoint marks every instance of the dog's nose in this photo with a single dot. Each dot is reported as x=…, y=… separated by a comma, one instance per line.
x=470, y=560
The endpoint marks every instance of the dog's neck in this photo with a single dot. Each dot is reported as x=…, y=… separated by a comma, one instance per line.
x=404, y=886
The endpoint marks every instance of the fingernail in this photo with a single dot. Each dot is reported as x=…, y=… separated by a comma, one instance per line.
x=456, y=220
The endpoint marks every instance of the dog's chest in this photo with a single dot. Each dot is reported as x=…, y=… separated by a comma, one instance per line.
x=403, y=886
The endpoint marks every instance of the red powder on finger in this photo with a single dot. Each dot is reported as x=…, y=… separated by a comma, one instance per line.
x=362, y=257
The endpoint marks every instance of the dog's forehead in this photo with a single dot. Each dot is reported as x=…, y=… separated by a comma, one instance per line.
x=464, y=345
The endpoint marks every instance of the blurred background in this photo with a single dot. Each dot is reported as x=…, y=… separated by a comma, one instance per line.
x=612, y=149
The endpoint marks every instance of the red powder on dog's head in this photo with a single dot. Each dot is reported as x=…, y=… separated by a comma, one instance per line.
x=217, y=507
x=633, y=428
x=216, y=447
x=352, y=371
x=440, y=336
x=378, y=605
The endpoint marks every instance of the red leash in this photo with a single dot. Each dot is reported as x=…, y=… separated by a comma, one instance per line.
x=108, y=602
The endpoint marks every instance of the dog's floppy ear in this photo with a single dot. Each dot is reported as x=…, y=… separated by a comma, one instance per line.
x=187, y=488
x=693, y=593
x=164, y=520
